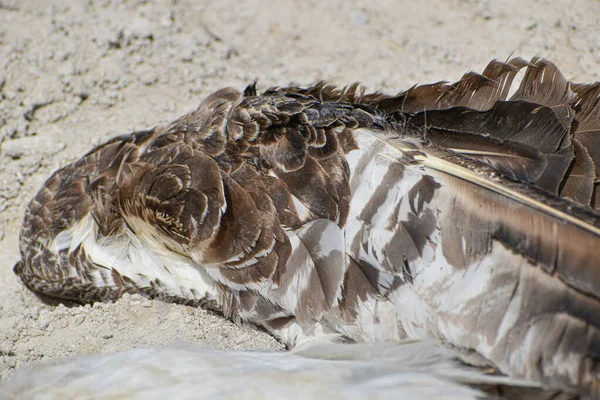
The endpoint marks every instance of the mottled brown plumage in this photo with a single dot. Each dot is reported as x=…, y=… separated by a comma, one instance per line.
x=448, y=211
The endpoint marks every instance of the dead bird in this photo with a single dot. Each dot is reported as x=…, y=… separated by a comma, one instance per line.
x=466, y=213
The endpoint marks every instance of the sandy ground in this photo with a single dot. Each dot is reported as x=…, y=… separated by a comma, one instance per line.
x=75, y=73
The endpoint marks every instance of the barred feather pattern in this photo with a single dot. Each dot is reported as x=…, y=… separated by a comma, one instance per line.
x=448, y=211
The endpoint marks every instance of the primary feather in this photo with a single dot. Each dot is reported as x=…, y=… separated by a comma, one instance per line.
x=446, y=212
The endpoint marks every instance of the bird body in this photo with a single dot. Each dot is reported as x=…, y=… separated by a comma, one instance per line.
x=445, y=212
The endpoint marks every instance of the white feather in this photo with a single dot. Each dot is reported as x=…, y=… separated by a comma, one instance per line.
x=142, y=257
x=411, y=370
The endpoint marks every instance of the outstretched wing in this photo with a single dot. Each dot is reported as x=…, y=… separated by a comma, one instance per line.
x=446, y=211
